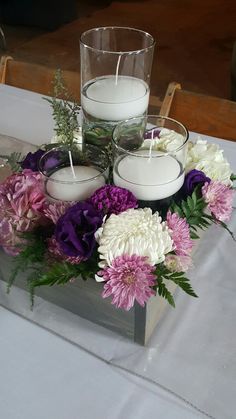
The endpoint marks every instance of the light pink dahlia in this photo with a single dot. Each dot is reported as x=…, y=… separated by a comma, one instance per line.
x=178, y=263
x=180, y=233
x=219, y=198
x=21, y=200
x=129, y=278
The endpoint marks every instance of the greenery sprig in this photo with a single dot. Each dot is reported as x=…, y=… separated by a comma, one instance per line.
x=34, y=258
x=193, y=210
x=64, y=110
x=163, y=273
x=13, y=160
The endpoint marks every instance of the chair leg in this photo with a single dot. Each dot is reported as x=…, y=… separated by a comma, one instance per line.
x=233, y=74
x=3, y=39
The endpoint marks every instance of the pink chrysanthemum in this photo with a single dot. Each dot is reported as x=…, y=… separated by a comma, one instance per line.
x=219, y=198
x=56, y=252
x=129, y=278
x=180, y=233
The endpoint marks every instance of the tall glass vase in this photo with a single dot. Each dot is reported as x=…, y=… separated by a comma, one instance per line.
x=115, y=75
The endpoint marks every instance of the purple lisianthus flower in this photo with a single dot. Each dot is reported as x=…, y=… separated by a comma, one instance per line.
x=75, y=230
x=31, y=161
x=111, y=199
x=152, y=133
x=194, y=178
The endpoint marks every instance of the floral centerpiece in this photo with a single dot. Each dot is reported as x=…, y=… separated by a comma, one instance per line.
x=107, y=238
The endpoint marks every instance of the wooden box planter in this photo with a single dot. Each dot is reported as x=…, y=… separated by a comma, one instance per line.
x=83, y=298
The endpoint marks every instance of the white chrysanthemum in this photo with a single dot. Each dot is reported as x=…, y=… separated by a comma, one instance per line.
x=134, y=232
x=167, y=140
x=209, y=159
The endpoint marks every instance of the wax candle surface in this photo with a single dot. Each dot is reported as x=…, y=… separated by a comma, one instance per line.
x=114, y=99
x=149, y=179
x=76, y=189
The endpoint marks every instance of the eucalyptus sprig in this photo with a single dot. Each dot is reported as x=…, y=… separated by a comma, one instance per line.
x=64, y=110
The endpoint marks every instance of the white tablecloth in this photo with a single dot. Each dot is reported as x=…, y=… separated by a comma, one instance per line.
x=58, y=366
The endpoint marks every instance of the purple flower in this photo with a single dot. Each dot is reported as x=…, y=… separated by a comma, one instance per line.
x=113, y=200
x=152, y=133
x=194, y=178
x=31, y=161
x=75, y=230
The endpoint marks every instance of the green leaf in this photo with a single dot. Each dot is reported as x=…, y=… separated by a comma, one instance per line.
x=183, y=283
x=165, y=293
x=32, y=254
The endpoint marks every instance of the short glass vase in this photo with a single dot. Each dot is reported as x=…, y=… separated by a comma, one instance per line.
x=71, y=174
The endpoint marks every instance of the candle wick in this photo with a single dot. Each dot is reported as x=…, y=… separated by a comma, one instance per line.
x=71, y=165
x=117, y=68
x=151, y=145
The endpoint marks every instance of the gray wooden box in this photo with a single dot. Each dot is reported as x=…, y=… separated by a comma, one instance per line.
x=83, y=298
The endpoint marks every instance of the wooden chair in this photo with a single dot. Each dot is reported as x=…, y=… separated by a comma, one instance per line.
x=36, y=78
x=200, y=113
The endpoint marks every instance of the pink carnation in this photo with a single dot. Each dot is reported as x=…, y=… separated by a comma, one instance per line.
x=54, y=210
x=180, y=233
x=56, y=252
x=21, y=200
x=129, y=278
x=219, y=198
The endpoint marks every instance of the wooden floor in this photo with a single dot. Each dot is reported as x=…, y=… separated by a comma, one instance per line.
x=194, y=40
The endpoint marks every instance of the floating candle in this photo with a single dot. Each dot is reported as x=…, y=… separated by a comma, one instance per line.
x=62, y=184
x=112, y=98
x=149, y=178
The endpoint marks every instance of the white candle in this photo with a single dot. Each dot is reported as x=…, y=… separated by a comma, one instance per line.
x=114, y=98
x=149, y=178
x=77, y=189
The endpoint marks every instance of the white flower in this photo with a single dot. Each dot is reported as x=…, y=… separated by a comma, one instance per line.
x=135, y=231
x=168, y=140
x=209, y=159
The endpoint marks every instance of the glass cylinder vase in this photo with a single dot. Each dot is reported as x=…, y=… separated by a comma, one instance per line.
x=149, y=159
x=71, y=174
x=115, y=75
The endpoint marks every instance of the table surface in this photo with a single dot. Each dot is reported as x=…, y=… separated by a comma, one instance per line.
x=58, y=366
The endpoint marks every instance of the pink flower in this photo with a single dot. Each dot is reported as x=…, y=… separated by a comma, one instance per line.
x=54, y=210
x=178, y=263
x=21, y=200
x=129, y=278
x=180, y=233
x=56, y=252
x=219, y=198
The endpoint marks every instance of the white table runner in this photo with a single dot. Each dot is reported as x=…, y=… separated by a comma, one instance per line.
x=192, y=352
